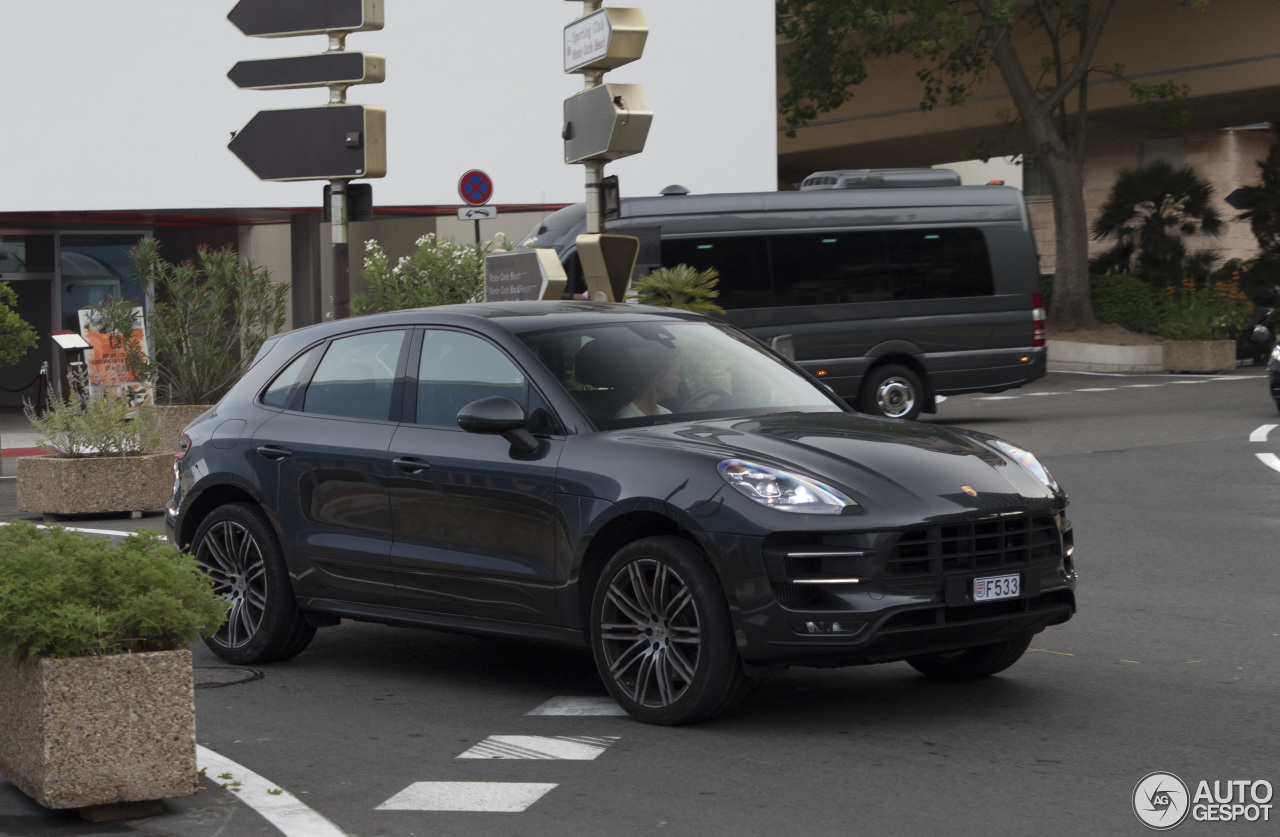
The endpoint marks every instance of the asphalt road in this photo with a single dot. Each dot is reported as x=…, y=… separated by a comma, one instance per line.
x=1171, y=664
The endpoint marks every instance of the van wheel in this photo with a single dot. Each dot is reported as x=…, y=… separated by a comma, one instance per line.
x=892, y=391
x=662, y=635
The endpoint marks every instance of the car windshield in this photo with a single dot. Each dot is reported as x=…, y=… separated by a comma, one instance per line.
x=637, y=373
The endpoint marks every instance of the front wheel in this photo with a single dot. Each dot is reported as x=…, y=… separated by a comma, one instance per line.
x=662, y=636
x=972, y=663
x=892, y=391
x=238, y=550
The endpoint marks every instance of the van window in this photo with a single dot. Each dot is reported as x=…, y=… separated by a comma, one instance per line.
x=939, y=264
x=830, y=268
x=741, y=260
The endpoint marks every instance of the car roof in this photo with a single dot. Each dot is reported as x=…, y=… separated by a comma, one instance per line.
x=513, y=317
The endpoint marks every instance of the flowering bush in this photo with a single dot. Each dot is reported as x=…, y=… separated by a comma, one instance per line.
x=440, y=272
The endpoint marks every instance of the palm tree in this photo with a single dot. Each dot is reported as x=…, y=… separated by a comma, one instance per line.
x=1148, y=212
x=681, y=286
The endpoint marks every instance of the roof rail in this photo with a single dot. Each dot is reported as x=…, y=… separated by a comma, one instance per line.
x=879, y=179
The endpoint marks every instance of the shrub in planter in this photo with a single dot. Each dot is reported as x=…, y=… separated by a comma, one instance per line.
x=439, y=272
x=95, y=676
x=99, y=460
x=682, y=286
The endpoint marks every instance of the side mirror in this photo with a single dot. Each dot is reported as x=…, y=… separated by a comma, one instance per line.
x=498, y=415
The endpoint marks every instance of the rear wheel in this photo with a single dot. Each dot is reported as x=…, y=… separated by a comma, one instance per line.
x=973, y=663
x=239, y=551
x=661, y=634
x=892, y=391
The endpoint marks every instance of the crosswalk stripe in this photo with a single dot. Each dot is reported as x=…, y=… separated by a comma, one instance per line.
x=492, y=797
x=579, y=705
x=565, y=747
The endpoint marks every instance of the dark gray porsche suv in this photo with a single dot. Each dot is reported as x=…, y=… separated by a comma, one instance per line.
x=651, y=484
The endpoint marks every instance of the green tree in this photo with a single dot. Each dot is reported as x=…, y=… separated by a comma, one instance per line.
x=1148, y=212
x=1261, y=205
x=207, y=321
x=832, y=43
x=17, y=337
x=681, y=287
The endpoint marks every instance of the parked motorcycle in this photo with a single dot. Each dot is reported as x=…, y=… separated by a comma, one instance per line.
x=1258, y=338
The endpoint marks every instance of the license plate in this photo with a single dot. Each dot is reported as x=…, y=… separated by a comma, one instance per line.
x=996, y=587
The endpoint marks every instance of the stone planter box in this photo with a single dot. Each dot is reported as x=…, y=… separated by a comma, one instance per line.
x=94, y=484
x=172, y=418
x=92, y=731
x=1199, y=355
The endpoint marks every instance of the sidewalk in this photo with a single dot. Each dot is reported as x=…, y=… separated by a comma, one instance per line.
x=17, y=438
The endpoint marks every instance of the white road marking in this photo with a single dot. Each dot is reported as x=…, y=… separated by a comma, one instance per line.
x=1034, y=394
x=113, y=532
x=575, y=705
x=1141, y=386
x=1205, y=381
x=283, y=810
x=996, y=398
x=497, y=797
x=563, y=747
x=1096, y=389
x=1270, y=460
x=1260, y=434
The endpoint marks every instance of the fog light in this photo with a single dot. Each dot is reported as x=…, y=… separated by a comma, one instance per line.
x=845, y=628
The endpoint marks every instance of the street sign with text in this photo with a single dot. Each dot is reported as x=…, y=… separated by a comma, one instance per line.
x=477, y=213
x=323, y=70
x=336, y=142
x=284, y=18
x=604, y=40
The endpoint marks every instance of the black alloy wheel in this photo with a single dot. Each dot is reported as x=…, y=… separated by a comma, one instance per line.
x=973, y=663
x=238, y=550
x=661, y=634
x=892, y=391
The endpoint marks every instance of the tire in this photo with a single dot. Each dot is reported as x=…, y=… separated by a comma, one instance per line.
x=892, y=391
x=973, y=663
x=238, y=549
x=661, y=634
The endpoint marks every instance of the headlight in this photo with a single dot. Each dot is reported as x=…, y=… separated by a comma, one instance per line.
x=782, y=490
x=1275, y=353
x=1028, y=460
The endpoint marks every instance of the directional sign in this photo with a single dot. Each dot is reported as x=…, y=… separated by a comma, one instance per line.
x=477, y=213
x=327, y=68
x=475, y=187
x=326, y=143
x=283, y=18
x=604, y=40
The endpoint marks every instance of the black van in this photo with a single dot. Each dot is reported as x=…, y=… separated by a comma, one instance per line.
x=893, y=286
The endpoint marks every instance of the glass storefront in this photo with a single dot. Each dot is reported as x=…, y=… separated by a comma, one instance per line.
x=55, y=275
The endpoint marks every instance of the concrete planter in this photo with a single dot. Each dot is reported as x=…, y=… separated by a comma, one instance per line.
x=1199, y=355
x=92, y=731
x=172, y=418
x=94, y=484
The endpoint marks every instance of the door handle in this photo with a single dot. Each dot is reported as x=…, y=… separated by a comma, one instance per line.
x=274, y=452
x=411, y=464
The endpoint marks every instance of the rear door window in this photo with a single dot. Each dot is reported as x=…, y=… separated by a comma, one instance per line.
x=356, y=377
x=282, y=390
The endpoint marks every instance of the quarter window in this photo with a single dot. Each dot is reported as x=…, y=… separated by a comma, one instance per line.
x=280, y=393
x=357, y=376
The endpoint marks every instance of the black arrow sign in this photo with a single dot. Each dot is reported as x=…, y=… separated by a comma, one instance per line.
x=309, y=71
x=282, y=18
x=338, y=142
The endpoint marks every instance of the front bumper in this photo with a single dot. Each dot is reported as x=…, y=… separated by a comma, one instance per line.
x=870, y=597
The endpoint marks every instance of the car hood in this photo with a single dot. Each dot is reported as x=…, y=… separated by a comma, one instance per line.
x=893, y=469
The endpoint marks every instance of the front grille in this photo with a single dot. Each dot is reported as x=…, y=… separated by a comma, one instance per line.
x=980, y=545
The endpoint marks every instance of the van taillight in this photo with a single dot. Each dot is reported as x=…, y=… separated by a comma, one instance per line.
x=1037, y=320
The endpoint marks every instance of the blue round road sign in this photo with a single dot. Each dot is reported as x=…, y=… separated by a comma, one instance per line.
x=475, y=187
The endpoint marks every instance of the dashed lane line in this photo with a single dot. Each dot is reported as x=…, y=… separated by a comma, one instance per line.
x=559, y=747
x=278, y=807
x=485, y=797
